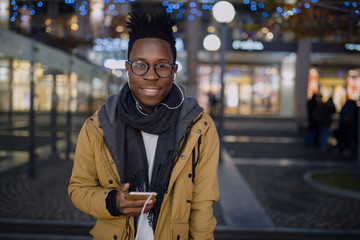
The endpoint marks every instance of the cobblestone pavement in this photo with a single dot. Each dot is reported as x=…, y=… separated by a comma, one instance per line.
x=287, y=198
x=45, y=197
x=292, y=203
x=289, y=201
x=41, y=198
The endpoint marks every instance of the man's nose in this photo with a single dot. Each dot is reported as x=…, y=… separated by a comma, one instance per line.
x=151, y=74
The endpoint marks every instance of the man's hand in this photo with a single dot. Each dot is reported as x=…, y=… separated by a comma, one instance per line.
x=131, y=207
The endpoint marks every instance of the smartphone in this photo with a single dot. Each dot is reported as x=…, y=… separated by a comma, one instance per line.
x=141, y=195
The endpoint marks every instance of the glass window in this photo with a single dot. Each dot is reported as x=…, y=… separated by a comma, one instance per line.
x=248, y=89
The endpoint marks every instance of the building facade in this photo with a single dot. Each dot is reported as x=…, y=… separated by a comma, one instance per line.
x=272, y=66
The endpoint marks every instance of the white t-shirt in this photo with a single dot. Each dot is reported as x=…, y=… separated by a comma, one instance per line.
x=144, y=230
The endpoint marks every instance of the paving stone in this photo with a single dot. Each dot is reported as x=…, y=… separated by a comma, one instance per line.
x=291, y=203
x=45, y=197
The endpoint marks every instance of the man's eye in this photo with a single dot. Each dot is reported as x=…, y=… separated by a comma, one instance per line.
x=139, y=65
x=163, y=66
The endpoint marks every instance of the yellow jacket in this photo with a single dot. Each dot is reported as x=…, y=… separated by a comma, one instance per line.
x=187, y=208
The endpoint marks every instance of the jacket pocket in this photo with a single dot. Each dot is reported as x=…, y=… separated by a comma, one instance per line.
x=108, y=230
x=179, y=231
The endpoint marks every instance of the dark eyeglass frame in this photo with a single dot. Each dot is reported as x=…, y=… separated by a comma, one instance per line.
x=148, y=67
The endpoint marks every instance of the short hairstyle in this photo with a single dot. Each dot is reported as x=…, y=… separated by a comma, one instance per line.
x=157, y=25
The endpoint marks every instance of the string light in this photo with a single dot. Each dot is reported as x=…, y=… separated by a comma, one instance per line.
x=254, y=6
x=351, y=6
x=196, y=8
x=31, y=10
x=177, y=7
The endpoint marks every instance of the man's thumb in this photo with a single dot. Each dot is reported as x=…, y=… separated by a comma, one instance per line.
x=124, y=187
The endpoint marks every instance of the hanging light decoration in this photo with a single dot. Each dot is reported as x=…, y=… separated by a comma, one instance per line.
x=23, y=6
x=267, y=9
x=196, y=8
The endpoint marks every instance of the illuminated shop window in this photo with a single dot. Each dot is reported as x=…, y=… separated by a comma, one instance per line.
x=21, y=82
x=248, y=89
x=353, y=84
x=66, y=89
x=4, y=84
x=335, y=82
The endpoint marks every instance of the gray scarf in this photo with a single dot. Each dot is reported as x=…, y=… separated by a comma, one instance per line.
x=129, y=153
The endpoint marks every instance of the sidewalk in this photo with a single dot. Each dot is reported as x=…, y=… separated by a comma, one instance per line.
x=271, y=162
x=261, y=185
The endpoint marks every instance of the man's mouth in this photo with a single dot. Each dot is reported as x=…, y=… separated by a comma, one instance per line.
x=150, y=91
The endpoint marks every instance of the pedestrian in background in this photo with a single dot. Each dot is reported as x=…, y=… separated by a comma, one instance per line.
x=348, y=128
x=213, y=104
x=323, y=117
x=313, y=130
x=148, y=137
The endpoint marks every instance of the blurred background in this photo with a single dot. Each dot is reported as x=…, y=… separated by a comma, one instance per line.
x=254, y=68
x=278, y=53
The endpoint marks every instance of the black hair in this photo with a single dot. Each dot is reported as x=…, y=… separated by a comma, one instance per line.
x=157, y=25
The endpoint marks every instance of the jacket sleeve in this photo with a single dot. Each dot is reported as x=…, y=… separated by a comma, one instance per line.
x=85, y=190
x=206, y=189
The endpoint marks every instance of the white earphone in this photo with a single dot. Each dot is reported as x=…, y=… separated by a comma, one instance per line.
x=138, y=105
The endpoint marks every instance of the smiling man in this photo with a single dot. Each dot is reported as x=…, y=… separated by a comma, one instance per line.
x=152, y=69
x=148, y=138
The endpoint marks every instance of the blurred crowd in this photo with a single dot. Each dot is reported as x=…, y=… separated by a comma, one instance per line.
x=320, y=125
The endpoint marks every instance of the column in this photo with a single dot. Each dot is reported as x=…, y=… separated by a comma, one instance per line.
x=11, y=80
x=192, y=48
x=301, y=79
x=31, y=168
x=68, y=114
x=287, y=85
x=53, y=120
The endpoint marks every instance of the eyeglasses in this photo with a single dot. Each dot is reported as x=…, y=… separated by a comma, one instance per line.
x=140, y=68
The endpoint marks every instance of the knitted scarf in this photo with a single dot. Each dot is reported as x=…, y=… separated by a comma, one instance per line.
x=129, y=153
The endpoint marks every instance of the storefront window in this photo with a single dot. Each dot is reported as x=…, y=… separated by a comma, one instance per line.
x=353, y=84
x=4, y=84
x=84, y=100
x=43, y=90
x=266, y=90
x=248, y=89
x=62, y=91
x=313, y=84
x=21, y=83
x=44, y=83
x=209, y=88
x=334, y=82
x=73, y=92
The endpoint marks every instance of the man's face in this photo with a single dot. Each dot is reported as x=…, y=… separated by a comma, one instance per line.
x=150, y=89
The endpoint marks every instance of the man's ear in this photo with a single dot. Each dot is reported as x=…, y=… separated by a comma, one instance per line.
x=176, y=68
x=175, y=71
x=127, y=68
